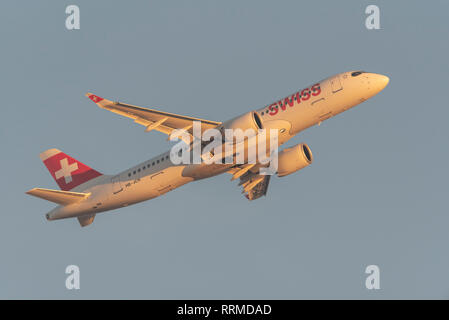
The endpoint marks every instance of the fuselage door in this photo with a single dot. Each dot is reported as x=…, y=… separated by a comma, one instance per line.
x=336, y=84
x=116, y=185
x=160, y=182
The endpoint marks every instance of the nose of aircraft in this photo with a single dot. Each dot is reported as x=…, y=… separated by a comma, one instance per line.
x=381, y=81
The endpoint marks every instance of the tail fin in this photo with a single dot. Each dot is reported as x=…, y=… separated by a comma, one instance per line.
x=67, y=171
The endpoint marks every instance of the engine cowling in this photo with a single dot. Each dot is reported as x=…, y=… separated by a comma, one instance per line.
x=249, y=120
x=293, y=159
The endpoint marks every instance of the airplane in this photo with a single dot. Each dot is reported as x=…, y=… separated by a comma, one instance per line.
x=86, y=192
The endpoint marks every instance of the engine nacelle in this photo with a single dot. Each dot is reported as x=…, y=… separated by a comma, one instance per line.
x=250, y=120
x=293, y=159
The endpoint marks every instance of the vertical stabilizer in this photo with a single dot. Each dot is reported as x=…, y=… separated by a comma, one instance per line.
x=67, y=171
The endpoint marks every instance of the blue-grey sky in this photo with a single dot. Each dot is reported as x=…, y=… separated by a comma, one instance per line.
x=376, y=193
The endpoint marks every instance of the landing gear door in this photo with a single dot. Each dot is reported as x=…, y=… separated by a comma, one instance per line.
x=116, y=185
x=336, y=84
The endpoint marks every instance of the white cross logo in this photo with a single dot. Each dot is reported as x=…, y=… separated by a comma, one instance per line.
x=66, y=170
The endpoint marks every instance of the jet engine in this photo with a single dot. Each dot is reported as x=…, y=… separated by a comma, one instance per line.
x=250, y=120
x=293, y=159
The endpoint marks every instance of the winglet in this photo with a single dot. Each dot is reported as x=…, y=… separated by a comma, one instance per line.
x=99, y=101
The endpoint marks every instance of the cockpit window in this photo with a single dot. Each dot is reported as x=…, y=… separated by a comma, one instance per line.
x=357, y=73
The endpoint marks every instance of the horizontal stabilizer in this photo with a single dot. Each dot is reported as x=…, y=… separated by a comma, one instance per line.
x=86, y=220
x=57, y=196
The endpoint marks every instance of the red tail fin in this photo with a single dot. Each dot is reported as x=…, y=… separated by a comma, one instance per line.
x=67, y=171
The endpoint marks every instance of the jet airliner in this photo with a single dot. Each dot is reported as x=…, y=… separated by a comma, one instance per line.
x=84, y=191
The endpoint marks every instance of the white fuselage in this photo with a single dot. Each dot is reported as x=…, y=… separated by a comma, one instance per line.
x=158, y=175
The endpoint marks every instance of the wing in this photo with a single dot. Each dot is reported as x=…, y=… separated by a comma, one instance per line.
x=152, y=119
x=254, y=185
